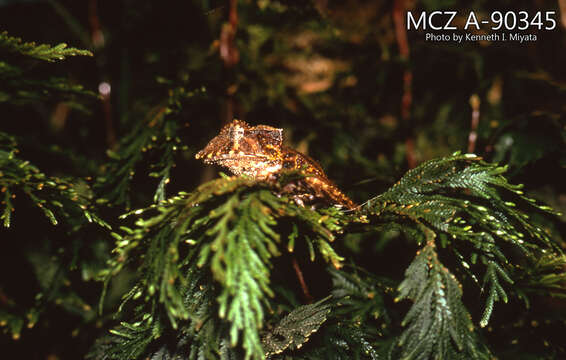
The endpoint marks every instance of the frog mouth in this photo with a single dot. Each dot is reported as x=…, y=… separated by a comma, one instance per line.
x=208, y=158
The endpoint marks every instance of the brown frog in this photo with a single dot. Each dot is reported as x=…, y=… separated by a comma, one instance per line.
x=258, y=152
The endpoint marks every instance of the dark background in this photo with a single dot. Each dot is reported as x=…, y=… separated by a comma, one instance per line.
x=346, y=87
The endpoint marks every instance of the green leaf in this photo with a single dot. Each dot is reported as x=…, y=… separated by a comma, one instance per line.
x=438, y=325
x=226, y=228
x=295, y=328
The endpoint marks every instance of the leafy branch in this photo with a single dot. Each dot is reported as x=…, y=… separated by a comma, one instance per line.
x=438, y=324
x=43, y=52
x=463, y=198
x=228, y=227
x=52, y=195
x=228, y=231
x=295, y=328
x=19, y=86
x=157, y=136
x=60, y=200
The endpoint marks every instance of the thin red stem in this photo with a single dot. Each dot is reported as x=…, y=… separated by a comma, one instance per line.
x=304, y=286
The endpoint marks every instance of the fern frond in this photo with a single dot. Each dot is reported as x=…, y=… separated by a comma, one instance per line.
x=22, y=92
x=440, y=190
x=462, y=198
x=55, y=197
x=38, y=51
x=545, y=277
x=492, y=278
x=438, y=324
x=451, y=194
x=128, y=340
x=19, y=86
x=227, y=227
x=339, y=341
x=156, y=136
x=59, y=200
x=201, y=336
x=295, y=328
x=361, y=299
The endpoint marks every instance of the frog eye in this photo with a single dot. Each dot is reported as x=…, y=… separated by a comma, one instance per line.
x=236, y=130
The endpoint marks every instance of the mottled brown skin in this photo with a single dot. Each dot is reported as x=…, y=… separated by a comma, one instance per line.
x=258, y=151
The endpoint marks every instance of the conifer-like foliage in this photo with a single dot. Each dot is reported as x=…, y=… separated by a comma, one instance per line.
x=43, y=52
x=118, y=244
x=231, y=229
x=227, y=229
x=18, y=85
